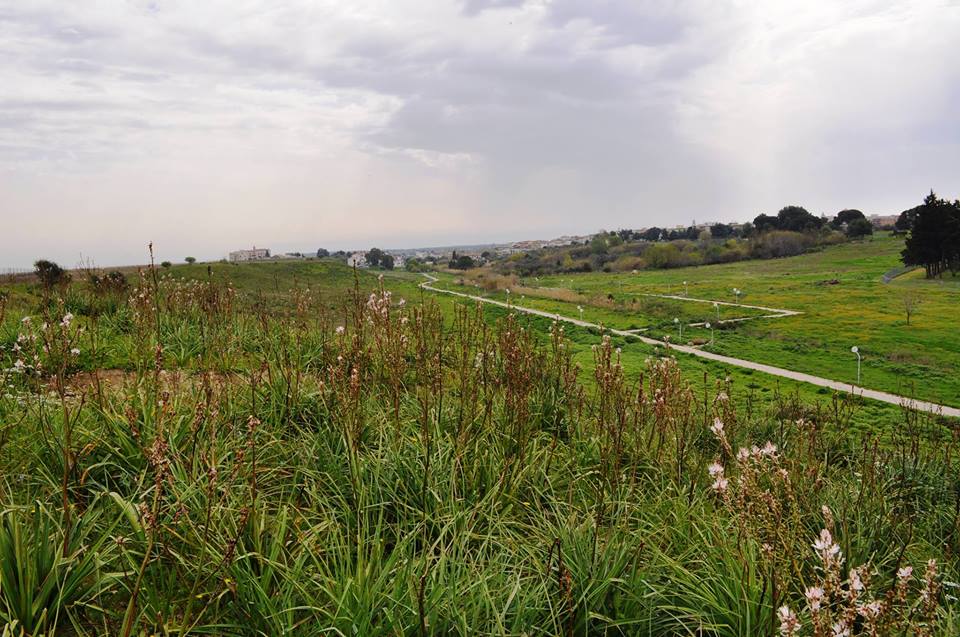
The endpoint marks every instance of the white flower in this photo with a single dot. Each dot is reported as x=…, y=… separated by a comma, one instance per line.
x=840, y=629
x=19, y=365
x=870, y=610
x=25, y=320
x=825, y=547
x=717, y=428
x=814, y=596
x=769, y=449
x=789, y=624
x=75, y=351
x=716, y=469
x=905, y=572
x=720, y=484
x=856, y=583
x=66, y=320
x=340, y=329
x=742, y=454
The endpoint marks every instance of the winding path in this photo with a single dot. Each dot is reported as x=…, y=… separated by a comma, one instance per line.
x=774, y=312
x=893, y=399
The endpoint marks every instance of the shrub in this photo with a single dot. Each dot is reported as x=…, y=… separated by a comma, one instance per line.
x=780, y=243
x=50, y=273
x=859, y=228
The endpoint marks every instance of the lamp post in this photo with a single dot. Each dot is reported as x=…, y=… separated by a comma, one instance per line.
x=677, y=322
x=856, y=350
x=580, y=309
x=710, y=327
x=736, y=293
x=686, y=290
x=716, y=306
x=508, y=296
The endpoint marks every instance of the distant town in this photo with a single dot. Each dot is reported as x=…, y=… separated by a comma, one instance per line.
x=478, y=254
x=398, y=258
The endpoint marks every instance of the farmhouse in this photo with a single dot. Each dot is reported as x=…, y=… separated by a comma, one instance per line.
x=357, y=259
x=255, y=254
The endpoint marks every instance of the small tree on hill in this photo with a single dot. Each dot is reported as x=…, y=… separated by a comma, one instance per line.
x=50, y=273
x=462, y=262
x=797, y=218
x=165, y=264
x=721, y=231
x=846, y=217
x=191, y=260
x=859, y=228
x=598, y=245
x=765, y=223
x=373, y=257
x=905, y=221
x=652, y=234
x=910, y=300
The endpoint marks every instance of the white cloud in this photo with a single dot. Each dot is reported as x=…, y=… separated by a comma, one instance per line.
x=207, y=125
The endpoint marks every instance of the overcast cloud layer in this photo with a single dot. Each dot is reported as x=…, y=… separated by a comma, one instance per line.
x=207, y=126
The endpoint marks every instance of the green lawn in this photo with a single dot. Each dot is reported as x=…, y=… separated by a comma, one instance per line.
x=844, y=303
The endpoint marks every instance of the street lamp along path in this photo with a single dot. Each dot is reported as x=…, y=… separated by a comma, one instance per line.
x=856, y=350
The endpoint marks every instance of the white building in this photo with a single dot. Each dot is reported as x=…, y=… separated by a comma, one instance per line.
x=357, y=259
x=255, y=254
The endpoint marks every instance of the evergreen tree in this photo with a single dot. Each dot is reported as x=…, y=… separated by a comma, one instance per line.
x=934, y=240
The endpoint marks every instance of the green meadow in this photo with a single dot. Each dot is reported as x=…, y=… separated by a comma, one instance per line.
x=844, y=302
x=299, y=448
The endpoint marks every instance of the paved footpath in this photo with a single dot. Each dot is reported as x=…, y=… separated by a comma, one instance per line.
x=893, y=399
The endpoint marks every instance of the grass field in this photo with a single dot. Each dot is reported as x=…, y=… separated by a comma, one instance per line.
x=298, y=448
x=919, y=360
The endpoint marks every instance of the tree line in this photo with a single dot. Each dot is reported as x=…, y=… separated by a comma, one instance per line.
x=933, y=239
x=853, y=223
x=791, y=231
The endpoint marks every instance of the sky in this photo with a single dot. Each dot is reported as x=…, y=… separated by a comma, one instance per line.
x=210, y=126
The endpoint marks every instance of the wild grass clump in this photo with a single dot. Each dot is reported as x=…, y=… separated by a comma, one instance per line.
x=381, y=467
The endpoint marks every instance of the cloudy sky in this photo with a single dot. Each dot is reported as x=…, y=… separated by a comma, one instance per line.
x=209, y=125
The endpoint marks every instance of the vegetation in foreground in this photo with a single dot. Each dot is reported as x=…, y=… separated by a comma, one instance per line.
x=367, y=466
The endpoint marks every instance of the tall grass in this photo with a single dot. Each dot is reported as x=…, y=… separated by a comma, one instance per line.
x=381, y=468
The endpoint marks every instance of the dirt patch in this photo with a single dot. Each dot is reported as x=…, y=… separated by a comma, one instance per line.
x=904, y=356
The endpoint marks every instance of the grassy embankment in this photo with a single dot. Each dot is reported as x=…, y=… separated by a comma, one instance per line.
x=424, y=471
